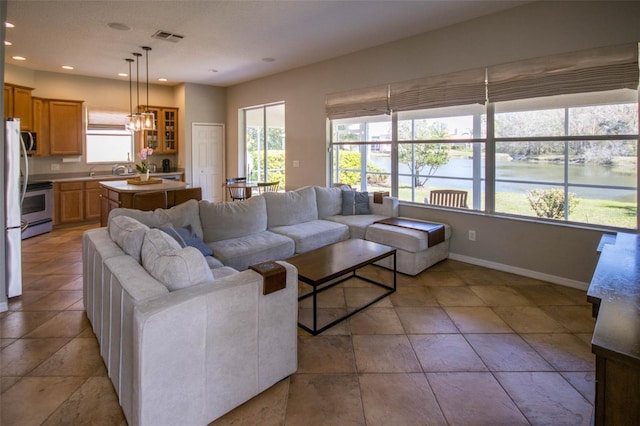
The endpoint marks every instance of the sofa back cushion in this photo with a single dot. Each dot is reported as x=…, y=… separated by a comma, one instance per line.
x=173, y=266
x=329, y=201
x=232, y=219
x=128, y=234
x=182, y=215
x=291, y=207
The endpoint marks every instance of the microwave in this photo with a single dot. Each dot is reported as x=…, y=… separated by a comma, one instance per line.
x=30, y=141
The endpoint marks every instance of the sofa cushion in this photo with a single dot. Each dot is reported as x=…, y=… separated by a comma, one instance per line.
x=314, y=234
x=241, y=252
x=291, y=207
x=187, y=238
x=329, y=201
x=357, y=223
x=232, y=219
x=354, y=202
x=173, y=266
x=182, y=215
x=128, y=234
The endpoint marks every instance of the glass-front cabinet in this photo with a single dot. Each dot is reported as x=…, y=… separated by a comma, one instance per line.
x=165, y=138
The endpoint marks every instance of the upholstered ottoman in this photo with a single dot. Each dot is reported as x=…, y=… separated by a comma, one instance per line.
x=414, y=254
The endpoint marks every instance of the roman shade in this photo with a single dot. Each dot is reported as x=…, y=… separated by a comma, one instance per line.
x=358, y=103
x=459, y=88
x=593, y=70
x=104, y=119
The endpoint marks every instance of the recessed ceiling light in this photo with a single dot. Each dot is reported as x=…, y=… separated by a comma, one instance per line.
x=67, y=67
x=19, y=58
x=7, y=43
x=268, y=60
x=9, y=25
x=162, y=79
x=118, y=26
x=123, y=74
x=213, y=70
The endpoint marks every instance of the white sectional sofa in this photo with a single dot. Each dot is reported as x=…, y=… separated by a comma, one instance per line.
x=184, y=329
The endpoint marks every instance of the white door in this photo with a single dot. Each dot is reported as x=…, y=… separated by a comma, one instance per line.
x=207, y=159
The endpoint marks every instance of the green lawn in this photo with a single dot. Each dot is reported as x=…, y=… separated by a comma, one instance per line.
x=596, y=212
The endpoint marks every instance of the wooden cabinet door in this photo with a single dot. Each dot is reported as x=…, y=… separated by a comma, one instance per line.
x=8, y=101
x=71, y=202
x=22, y=107
x=91, y=200
x=65, y=127
x=169, y=121
x=41, y=125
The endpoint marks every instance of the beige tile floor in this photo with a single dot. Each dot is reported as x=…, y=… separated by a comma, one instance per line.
x=458, y=344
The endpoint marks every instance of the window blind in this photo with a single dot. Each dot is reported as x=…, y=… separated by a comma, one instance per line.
x=358, y=103
x=593, y=70
x=101, y=119
x=459, y=88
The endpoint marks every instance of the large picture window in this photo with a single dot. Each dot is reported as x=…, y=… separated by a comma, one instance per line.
x=547, y=144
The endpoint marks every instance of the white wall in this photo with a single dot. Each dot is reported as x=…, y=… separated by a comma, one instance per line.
x=537, y=29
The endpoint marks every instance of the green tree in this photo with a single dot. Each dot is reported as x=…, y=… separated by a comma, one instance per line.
x=421, y=156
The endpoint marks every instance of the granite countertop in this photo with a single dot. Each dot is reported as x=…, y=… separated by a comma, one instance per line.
x=99, y=176
x=124, y=186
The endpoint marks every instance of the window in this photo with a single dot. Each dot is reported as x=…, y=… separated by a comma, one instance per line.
x=265, y=143
x=107, y=140
x=554, y=138
x=109, y=146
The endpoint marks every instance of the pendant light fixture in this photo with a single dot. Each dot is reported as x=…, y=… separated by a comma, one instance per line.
x=130, y=125
x=137, y=116
x=148, y=119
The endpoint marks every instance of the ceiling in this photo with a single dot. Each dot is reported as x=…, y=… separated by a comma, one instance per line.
x=225, y=42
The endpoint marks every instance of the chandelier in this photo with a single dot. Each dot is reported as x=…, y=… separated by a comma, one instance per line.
x=139, y=121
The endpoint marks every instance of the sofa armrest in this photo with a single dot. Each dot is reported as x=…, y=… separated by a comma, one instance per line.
x=388, y=208
x=201, y=351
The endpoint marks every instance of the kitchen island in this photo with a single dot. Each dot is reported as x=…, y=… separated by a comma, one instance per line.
x=121, y=193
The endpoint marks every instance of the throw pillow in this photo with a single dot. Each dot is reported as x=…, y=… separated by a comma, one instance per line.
x=173, y=266
x=187, y=238
x=354, y=202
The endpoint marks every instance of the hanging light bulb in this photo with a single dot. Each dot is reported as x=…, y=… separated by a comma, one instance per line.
x=148, y=119
x=137, y=115
x=130, y=125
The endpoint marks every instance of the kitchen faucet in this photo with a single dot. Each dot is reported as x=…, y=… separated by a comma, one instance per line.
x=118, y=169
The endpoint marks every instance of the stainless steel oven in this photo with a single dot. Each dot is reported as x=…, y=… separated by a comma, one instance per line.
x=37, y=209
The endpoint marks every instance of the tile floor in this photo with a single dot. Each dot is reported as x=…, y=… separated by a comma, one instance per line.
x=458, y=345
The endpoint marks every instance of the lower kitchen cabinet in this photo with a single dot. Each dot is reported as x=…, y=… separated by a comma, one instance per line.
x=76, y=202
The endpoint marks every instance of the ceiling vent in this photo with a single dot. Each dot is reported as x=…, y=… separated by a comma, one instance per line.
x=167, y=36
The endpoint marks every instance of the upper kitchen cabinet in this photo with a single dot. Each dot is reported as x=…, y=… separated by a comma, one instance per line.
x=65, y=127
x=17, y=104
x=163, y=140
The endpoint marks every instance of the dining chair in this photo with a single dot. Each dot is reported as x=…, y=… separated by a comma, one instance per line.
x=150, y=200
x=267, y=187
x=448, y=198
x=238, y=193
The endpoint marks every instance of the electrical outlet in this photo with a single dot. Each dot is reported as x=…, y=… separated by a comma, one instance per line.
x=472, y=235
x=55, y=166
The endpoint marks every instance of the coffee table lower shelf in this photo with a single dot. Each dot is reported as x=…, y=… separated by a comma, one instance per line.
x=342, y=259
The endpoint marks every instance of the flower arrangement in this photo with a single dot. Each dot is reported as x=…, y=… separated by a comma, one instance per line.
x=144, y=155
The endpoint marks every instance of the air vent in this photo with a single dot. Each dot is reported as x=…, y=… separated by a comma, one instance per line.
x=165, y=35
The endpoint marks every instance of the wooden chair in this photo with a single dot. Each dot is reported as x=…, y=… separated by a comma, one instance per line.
x=182, y=195
x=150, y=200
x=238, y=193
x=448, y=198
x=340, y=184
x=267, y=187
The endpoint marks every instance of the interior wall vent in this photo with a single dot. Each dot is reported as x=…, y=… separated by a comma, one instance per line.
x=165, y=35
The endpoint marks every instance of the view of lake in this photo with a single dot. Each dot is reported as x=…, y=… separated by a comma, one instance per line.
x=538, y=172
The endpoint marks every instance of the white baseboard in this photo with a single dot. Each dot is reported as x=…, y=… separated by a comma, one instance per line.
x=521, y=271
x=4, y=306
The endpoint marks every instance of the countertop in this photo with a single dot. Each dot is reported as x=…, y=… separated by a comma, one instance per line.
x=99, y=176
x=616, y=288
x=123, y=186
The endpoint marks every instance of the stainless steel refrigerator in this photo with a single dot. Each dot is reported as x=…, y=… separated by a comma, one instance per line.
x=16, y=165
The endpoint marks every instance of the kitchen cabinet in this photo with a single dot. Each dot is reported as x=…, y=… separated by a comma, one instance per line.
x=68, y=201
x=163, y=140
x=41, y=126
x=91, y=200
x=65, y=127
x=17, y=104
